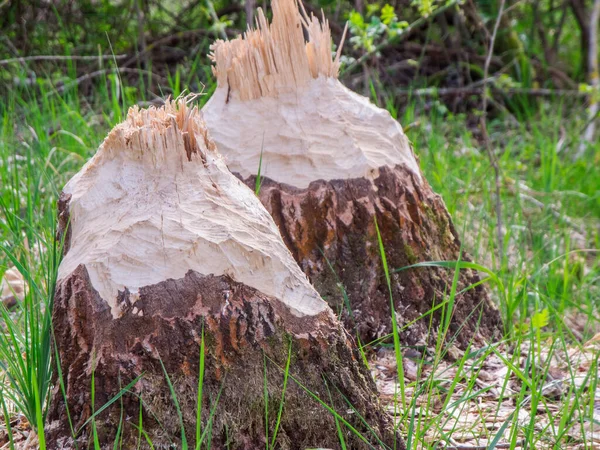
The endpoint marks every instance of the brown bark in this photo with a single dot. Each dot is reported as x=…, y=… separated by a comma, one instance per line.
x=244, y=331
x=330, y=229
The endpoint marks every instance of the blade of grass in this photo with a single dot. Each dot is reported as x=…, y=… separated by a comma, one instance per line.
x=266, y=400
x=281, y=403
x=213, y=410
x=258, y=182
x=397, y=349
x=460, y=265
x=200, y=386
x=110, y=402
x=184, y=445
x=326, y=406
x=94, y=429
x=118, y=436
x=143, y=433
x=337, y=422
x=9, y=432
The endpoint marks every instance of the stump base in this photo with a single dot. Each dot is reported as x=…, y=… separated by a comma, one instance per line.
x=330, y=229
x=245, y=332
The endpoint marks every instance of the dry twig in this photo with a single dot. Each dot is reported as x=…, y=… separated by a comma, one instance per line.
x=21, y=60
x=99, y=73
x=481, y=447
x=488, y=145
x=473, y=90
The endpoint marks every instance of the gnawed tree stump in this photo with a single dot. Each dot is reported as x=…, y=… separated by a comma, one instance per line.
x=331, y=164
x=165, y=246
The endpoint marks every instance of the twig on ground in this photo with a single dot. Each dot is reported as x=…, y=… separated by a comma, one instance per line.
x=573, y=328
x=454, y=52
x=163, y=41
x=467, y=90
x=554, y=212
x=21, y=60
x=480, y=447
x=99, y=73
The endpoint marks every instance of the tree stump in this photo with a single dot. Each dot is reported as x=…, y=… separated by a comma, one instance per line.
x=332, y=164
x=168, y=253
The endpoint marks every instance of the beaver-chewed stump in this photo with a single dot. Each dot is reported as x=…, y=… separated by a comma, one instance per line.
x=330, y=229
x=168, y=255
x=330, y=165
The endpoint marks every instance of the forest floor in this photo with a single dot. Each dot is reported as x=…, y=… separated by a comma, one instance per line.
x=482, y=402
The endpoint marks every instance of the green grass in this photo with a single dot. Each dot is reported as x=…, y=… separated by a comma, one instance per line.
x=551, y=207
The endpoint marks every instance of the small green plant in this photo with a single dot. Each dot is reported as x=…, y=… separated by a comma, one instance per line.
x=259, y=178
x=378, y=24
x=25, y=352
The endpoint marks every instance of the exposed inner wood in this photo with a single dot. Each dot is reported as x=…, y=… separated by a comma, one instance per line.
x=293, y=118
x=274, y=57
x=157, y=200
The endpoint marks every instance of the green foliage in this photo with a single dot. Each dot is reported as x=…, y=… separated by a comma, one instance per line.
x=506, y=82
x=593, y=92
x=378, y=24
x=388, y=15
x=546, y=194
x=540, y=319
